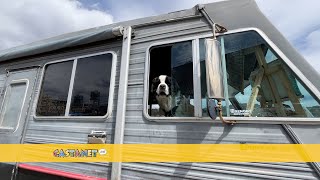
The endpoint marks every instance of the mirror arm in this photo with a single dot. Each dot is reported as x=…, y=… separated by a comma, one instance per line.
x=216, y=28
x=219, y=107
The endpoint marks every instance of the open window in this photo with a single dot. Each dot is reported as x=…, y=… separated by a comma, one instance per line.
x=259, y=83
x=171, y=91
x=80, y=87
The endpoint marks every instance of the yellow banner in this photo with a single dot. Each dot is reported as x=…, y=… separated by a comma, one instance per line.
x=160, y=153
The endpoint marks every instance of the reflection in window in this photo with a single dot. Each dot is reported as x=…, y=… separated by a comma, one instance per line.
x=13, y=105
x=91, y=86
x=54, y=91
x=175, y=61
x=260, y=84
x=90, y=90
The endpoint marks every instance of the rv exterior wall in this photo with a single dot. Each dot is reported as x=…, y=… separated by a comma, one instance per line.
x=141, y=130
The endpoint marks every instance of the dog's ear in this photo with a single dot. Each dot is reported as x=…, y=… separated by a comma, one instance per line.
x=155, y=80
x=153, y=85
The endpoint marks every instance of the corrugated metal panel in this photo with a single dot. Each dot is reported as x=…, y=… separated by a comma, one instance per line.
x=2, y=80
x=140, y=130
x=308, y=134
x=218, y=171
x=2, y=87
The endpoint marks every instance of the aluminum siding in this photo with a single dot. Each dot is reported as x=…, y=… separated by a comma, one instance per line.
x=58, y=131
x=140, y=130
x=2, y=87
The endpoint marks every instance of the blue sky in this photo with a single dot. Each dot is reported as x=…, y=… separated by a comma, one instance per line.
x=25, y=21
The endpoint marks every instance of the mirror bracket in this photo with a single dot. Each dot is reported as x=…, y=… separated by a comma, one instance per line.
x=215, y=110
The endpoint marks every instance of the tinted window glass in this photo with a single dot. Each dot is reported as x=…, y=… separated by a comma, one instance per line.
x=91, y=86
x=54, y=92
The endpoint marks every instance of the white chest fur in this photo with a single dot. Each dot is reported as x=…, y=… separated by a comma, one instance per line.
x=165, y=102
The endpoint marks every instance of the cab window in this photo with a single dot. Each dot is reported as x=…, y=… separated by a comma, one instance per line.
x=260, y=84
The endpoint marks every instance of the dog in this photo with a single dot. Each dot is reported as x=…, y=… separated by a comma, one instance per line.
x=166, y=91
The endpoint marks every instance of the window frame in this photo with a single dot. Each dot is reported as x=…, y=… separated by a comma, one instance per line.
x=71, y=86
x=197, y=84
x=7, y=129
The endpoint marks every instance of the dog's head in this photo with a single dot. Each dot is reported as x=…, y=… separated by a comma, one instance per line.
x=164, y=85
x=164, y=90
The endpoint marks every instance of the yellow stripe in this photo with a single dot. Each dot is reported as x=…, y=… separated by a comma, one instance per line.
x=160, y=153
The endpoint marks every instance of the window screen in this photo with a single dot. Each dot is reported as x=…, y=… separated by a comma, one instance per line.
x=88, y=95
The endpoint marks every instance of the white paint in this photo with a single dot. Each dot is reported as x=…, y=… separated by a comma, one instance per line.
x=165, y=102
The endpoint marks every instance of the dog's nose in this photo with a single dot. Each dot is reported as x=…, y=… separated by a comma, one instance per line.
x=162, y=86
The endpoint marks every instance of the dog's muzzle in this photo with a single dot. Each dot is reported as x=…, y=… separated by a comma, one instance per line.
x=163, y=89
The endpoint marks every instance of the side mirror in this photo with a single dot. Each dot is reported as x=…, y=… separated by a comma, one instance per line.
x=214, y=73
x=214, y=69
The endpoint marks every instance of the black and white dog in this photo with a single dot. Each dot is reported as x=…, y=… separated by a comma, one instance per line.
x=165, y=90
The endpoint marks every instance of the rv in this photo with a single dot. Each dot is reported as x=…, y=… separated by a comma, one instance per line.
x=217, y=73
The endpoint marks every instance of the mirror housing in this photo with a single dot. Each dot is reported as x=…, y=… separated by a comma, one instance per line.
x=214, y=70
x=212, y=109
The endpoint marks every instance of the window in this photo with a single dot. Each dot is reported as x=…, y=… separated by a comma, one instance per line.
x=174, y=63
x=79, y=87
x=54, y=91
x=259, y=84
x=13, y=104
x=258, y=81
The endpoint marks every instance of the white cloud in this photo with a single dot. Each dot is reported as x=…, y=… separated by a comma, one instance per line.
x=129, y=9
x=299, y=21
x=295, y=18
x=25, y=21
x=312, y=49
